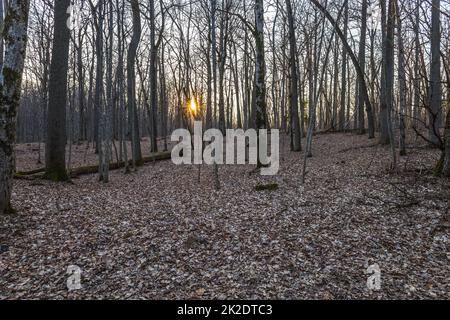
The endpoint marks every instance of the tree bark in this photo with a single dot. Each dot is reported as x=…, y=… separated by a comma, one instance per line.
x=417, y=87
x=260, y=70
x=55, y=150
x=342, y=125
x=153, y=82
x=384, y=111
x=402, y=82
x=362, y=63
x=444, y=166
x=214, y=58
x=131, y=80
x=389, y=76
x=15, y=41
x=223, y=44
x=295, y=121
x=2, y=44
x=435, y=91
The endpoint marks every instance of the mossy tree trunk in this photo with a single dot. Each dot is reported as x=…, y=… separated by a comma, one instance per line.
x=260, y=71
x=15, y=41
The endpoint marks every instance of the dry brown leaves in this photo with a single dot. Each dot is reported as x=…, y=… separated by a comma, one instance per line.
x=159, y=234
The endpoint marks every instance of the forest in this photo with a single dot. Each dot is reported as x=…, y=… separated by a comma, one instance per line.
x=352, y=98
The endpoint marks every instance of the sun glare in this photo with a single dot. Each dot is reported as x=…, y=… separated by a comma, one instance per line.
x=193, y=105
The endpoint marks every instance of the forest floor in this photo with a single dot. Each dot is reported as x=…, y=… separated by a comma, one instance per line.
x=160, y=234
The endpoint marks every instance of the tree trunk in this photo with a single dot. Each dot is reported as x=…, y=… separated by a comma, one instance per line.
x=342, y=124
x=2, y=44
x=153, y=83
x=82, y=120
x=214, y=58
x=236, y=87
x=362, y=63
x=435, y=91
x=417, y=87
x=384, y=127
x=389, y=76
x=131, y=80
x=296, y=133
x=335, y=85
x=55, y=151
x=445, y=163
x=260, y=70
x=223, y=39
x=15, y=37
x=402, y=82
x=214, y=75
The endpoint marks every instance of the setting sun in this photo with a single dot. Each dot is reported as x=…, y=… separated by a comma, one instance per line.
x=193, y=105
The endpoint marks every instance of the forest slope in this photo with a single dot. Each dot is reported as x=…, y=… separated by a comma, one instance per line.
x=159, y=234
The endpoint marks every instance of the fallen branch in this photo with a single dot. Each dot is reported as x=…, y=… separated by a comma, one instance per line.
x=34, y=174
